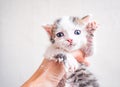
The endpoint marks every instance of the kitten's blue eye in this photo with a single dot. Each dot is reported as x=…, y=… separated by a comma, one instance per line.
x=77, y=32
x=60, y=34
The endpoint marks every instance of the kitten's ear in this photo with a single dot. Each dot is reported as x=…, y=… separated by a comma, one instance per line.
x=48, y=29
x=86, y=19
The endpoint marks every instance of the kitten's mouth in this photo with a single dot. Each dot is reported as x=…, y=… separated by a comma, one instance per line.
x=71, y=45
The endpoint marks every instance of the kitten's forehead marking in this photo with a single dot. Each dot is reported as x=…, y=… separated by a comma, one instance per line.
x=65, y=22
x=68, y=22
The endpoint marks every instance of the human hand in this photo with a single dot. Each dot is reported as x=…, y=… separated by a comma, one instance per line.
x=47, y=75
x=50, y=73
x=79, y=55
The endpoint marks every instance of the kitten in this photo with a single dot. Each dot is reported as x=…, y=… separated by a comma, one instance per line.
x=68, y=34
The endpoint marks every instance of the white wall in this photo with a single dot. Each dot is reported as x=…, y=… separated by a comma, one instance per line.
x=23, y=41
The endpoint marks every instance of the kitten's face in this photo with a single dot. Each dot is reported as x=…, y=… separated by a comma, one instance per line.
x=68, y=34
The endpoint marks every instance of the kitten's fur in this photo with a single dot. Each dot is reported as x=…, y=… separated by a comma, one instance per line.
x=68, y=34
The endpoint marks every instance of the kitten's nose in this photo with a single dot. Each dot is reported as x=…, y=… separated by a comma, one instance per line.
x=70, y=40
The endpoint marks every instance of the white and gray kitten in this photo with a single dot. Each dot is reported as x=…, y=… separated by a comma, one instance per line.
x=68, y=34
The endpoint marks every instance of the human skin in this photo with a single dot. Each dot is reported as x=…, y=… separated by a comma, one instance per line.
x=50, y=72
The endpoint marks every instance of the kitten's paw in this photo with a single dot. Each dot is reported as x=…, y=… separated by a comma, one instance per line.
x=60, y=57
x=92, y=26
x=71, y=64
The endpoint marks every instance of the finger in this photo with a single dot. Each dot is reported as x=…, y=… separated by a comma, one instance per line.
x=78, y=54
x=86, y=63
x=55, y=71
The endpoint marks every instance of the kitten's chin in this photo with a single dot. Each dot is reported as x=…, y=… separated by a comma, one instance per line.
x=68, y=48
x=71, y=48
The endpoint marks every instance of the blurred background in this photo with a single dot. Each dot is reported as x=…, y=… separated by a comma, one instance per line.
x=23, y=41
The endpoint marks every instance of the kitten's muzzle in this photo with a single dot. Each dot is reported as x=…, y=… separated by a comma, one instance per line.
x=70, y=40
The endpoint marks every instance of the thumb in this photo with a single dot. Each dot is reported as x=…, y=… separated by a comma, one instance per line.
x=55, y=71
